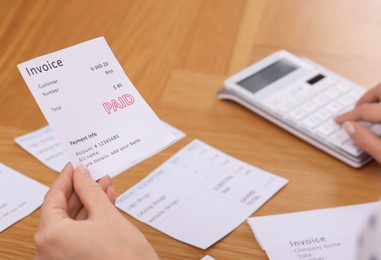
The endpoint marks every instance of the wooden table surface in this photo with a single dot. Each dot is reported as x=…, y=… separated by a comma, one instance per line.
x=178, y=53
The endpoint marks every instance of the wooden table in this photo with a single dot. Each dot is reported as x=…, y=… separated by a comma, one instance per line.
x=177, y=53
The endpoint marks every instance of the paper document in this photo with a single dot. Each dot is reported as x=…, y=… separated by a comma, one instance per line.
x=324, y=234
x=19, y=196
x=97, y=114
x=45, y=147
x=199, y=195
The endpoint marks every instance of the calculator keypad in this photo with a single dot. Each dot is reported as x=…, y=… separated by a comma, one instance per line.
x=312, y=109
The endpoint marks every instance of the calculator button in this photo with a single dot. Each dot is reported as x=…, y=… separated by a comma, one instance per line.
x=323, y=114
x=310, y=122
x=347, y=100
x=335, y=107
x=299, y=98
x=326, y=129
x=296, y=114
x=309, y=91
x=342, y=86
x=356, y=93
x=351, y=148
x=321, y=99
x=321, y=86
x=338, y=138
x=332, y=93
x=295, y=90
x=310, y=106
x=348, y=108
x=272, y=102
x=330, y=80
x=285, y=105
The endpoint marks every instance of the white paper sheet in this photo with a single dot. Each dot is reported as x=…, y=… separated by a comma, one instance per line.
x=45, y=147
x=199, y=195
x=323, y=234
x=19, y=196
x=97, y=114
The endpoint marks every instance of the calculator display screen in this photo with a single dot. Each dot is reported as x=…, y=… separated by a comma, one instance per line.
x=268, y=75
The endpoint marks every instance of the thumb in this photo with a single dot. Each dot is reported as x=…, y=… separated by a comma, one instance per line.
x=93, y=198
x=364, y=139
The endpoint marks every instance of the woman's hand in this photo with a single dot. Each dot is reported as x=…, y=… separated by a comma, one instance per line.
x=367, y=109
x=79, y=221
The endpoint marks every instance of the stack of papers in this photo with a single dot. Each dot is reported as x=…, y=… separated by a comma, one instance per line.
x=19, y=196
x=322, y=234
x=199, y=195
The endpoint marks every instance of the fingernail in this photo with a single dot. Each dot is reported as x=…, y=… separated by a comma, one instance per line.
x=349, y=128
x=83, y=170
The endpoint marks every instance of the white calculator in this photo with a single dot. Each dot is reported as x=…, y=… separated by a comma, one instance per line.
x=302, y=97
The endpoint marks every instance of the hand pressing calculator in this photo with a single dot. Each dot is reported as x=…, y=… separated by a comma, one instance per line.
x=303, y=98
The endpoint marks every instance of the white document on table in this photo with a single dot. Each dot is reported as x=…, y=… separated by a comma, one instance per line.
x=199, y=195
x=97, y=114
x=19, y=196
x=45, y=147
x=323, y=234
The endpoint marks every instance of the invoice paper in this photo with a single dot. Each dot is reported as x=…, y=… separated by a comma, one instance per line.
x=19, y=196
x=97, y=114
x=199, y=195
x=324, y=234
x=45, y=147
